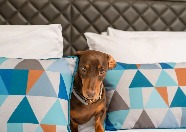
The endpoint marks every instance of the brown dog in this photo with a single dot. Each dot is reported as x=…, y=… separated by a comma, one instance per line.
x=88, y=97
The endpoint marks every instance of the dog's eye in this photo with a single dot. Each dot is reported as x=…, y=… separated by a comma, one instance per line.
x=101, y=71
x=83, y=69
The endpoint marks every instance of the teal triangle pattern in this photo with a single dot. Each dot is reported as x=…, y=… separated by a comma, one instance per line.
x=2, y=99
x=55, y=115
x=169, y=121
x=172, y=64
x=23, y=113
x=14, y=127
x=113, y=78
x=7, y=75
x=19, y=82
x=62, y=89
x=179, y=99
x=3, y=90
x=118, y=67
x=165, y=80
x=2, y=60
x=128, y=66
x=140, y=80
x=43, y=87
x=156, y=101
x=67, y=78
x=166, y=66
x=118, y=122
x=13, y=79
x=109, y=125
x=136, y=96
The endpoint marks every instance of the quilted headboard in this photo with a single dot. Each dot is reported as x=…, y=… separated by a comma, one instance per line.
x=79, y=16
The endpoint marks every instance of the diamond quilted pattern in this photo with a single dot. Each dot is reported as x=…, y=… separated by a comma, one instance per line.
x=79, y=16
x=125, y=15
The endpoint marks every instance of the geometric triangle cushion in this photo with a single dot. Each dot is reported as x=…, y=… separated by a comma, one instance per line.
x=146, y=96
x=35, y=94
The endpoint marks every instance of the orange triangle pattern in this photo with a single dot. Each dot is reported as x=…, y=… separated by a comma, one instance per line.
x=181, y=75
x=163, y=93
x=48, y=128
x=33, y=76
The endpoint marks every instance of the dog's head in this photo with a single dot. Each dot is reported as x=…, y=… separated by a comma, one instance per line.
x=92, y=69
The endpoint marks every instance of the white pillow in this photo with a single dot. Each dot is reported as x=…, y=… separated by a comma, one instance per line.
x=31, y=41
x=104, y=33
x=144, y=34
x=139, y=50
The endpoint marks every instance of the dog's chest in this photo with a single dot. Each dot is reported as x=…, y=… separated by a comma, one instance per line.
x=83, y=114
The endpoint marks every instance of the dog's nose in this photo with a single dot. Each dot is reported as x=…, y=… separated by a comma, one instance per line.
x=90, y=94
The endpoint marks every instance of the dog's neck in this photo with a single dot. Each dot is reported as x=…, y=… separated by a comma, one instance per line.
x=77, y=91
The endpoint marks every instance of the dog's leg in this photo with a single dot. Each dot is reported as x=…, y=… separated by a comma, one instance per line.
x=73, y=126
x=100, y=121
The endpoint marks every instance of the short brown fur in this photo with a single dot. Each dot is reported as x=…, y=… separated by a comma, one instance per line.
x=92, y=69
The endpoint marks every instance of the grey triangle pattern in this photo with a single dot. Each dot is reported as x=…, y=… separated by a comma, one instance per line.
x=144, y=121
x=117, y=105
x=29, y=64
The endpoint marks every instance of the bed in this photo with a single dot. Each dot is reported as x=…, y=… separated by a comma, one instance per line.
x=80, y=16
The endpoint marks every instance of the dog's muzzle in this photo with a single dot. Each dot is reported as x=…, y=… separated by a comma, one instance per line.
x=84, y=100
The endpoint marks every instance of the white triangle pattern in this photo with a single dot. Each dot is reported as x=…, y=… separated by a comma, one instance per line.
x=124, y=83
x=14, y=100
x=54, y=78
x=64, y=106
x=146, y=92
x=171, y=91
x=109, y=95
x=177, y=112
x=157, y=112
x=183, y=88
x=45, y=63
x=172, y=74
x=71, y=64
x=61, y=129
x=41, y=105
x=10, y=63
x=180, y=65
x=30, y=127
x=132, y=118
x=3, y=126
x=152, y=75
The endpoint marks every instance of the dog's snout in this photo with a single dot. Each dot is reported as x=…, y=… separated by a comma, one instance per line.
x=90, y=94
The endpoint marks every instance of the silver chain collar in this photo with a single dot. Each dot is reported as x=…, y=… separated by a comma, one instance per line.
x=84, y=100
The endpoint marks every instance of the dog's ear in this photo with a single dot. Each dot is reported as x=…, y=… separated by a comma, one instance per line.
x=79, y=53
x=111, y=62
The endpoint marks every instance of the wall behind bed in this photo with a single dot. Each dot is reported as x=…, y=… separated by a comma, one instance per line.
x=79, y=16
